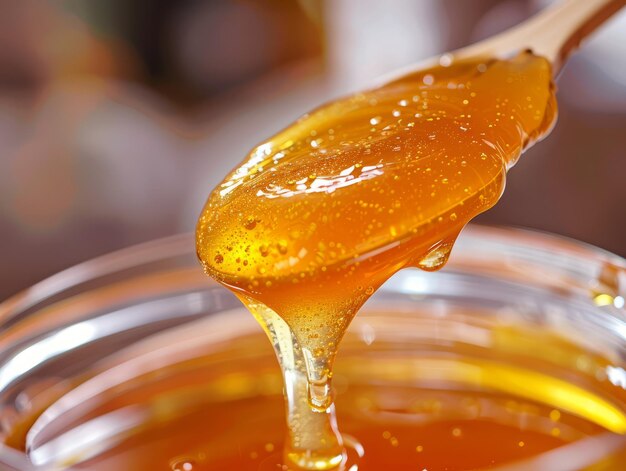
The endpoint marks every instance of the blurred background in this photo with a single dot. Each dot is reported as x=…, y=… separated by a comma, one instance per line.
x=117, y=118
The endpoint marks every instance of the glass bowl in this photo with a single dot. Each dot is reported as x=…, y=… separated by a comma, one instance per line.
x=75, y=348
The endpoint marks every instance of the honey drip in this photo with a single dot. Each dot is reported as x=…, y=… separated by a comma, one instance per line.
x=320, y=215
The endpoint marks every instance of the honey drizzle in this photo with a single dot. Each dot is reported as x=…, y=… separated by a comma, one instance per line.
x=315, y=442
x=323, y=213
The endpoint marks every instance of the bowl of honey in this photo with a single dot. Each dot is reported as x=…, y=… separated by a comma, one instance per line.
x=511, y=357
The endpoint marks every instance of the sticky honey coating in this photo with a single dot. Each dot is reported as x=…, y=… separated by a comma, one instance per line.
x=326, y=210
x=320, y=215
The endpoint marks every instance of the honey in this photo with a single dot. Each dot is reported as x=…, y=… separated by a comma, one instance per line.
x=304, y=232
x=430, y=402
x=319, y=216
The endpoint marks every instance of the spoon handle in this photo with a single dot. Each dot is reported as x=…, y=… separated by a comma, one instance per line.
x=554, y=33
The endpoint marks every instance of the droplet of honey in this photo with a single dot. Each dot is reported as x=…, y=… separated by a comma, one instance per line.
x=250, y=223
x=282, y=247
x=436, y=258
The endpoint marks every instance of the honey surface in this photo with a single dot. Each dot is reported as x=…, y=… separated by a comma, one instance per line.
x=455, y=443
x=415, y=409
x=320, y=215
x=435, y=402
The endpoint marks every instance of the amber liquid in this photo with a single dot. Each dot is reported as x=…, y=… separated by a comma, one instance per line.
x=323, y=213
x=440, y=399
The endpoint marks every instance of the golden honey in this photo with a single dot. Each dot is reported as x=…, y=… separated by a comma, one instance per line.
x=320, y=215
x=436, y=402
